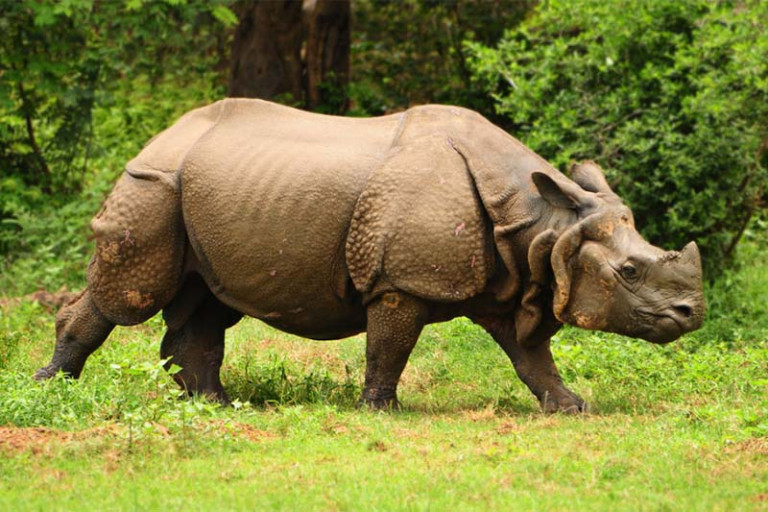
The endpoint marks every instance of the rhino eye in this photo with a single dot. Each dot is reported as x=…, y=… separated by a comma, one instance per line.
x=629, y=272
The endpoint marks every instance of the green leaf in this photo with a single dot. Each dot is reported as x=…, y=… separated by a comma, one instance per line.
x=225, y=15
x=134, y=5
x=174, y=369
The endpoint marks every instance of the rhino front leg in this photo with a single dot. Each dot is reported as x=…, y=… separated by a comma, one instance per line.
x=536, y=368
x=394, y=323
x=196, y=322
x=80, y=329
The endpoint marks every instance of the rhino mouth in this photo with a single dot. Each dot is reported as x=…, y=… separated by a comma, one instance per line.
x=662, y=327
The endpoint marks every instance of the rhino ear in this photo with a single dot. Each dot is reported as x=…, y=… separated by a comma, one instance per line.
x=590, y=177
x=561, y=192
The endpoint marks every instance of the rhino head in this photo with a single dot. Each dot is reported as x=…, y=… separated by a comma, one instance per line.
x=607, y=277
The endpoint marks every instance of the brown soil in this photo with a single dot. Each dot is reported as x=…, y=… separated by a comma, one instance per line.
x=241, y=430
x=51, y=301
x=38, y=439
x=758, y=445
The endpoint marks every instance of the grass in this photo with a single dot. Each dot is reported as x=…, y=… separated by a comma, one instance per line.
x=680, y=427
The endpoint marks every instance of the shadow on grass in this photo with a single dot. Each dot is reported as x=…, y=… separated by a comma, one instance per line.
x=276, y=383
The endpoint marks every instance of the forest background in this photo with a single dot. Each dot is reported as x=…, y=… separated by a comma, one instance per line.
x=670, y=101
x=669, y=97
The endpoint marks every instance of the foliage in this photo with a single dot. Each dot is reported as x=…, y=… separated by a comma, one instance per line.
x=58, y=60
x=410, y=52
x=672, y=101
x=737, y=302
x=47, y=241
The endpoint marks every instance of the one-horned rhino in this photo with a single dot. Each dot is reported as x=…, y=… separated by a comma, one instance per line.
x=326, y=226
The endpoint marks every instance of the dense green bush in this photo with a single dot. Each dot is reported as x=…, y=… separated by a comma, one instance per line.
x=410, y=52
x=671, y=98
x=59, y=61
x=48, y=238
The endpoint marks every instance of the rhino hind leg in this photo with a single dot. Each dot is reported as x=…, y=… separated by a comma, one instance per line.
x=194, y=341
x=138, y=264
x=394, y=324
x=81, y=328
x=535, y=367
x=135, y=271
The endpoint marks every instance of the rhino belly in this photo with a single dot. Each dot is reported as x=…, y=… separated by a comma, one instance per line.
x=270, y=240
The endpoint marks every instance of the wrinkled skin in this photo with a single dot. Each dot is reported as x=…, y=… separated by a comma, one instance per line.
x=326, y=227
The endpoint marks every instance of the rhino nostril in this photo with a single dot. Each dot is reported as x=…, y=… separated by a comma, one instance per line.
x=684, y=310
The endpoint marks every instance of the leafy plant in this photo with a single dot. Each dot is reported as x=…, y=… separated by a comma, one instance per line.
x=59, y=60
x=277, y=383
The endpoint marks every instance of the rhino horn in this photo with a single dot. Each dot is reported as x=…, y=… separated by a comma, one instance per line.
x=689, y=258
x=690, y=255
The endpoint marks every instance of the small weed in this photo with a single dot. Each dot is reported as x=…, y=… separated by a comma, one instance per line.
x=275, y=382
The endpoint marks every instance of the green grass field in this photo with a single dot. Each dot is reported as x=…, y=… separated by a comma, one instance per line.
x=680, y=427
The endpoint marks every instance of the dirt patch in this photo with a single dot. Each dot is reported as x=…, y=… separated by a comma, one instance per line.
x=51, y=301
x=251, y=433
x=241, y=430
x=757, y=445
x=482, y=415
x=39, y=439
x=407, y=433
x=377, y=446
x=16, y=440
x=508, y=427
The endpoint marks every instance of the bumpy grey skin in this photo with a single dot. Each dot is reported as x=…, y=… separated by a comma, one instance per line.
x=326, y=227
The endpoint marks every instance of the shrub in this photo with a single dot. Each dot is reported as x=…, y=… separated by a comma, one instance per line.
x=410, y=52
x=671, y=100
x=61, y=61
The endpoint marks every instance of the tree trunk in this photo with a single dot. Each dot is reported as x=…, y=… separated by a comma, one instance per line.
x=266, y=53
x=328, y=55
x=267, y=60
x=40, y=175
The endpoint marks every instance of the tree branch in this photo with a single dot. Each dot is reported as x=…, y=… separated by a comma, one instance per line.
x=44, y=178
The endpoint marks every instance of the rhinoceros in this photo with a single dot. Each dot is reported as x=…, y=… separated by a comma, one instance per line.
x=327, y=226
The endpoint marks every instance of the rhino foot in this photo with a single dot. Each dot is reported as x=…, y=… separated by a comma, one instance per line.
x=80, y=329
x=216, y=396
x=46, y=372
x=563, y=401
x=380, y=399
x=381, y=405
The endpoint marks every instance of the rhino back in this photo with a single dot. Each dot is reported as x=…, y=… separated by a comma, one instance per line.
x=267, y=198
